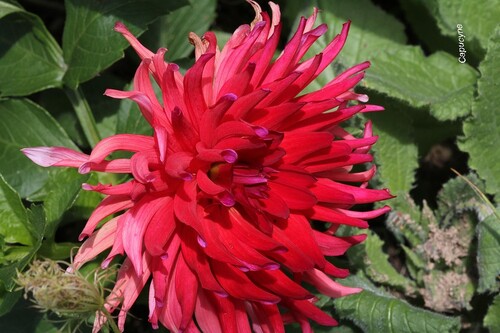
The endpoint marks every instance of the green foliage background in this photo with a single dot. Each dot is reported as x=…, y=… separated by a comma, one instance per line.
x=431, y=266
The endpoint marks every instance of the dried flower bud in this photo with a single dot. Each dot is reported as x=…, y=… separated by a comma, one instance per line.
x=68, y=294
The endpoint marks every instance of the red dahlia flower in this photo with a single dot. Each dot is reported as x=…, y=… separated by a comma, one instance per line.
x=217, y=213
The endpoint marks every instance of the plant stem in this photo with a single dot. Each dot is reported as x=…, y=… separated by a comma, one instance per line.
x=84, y=114
x=111, y=322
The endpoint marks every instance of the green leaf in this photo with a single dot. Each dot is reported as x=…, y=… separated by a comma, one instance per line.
x=492, y=319
x=25, y=124
x=172, y=30
x=372, y=31
x=376, y=264
x=488, y=252
x=457, y=196
x=8, y=297
x=89, y=42
x=395, y=152
x=478, y=18
x=439, y=81
x=62, y=190
x=14, y=226
x=377, y=312
x=481, y=130
x=30, y=58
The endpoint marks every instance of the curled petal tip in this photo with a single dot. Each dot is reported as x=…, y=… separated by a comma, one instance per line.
x=120, y=27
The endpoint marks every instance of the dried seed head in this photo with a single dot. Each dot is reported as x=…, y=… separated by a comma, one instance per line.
x=69, y=295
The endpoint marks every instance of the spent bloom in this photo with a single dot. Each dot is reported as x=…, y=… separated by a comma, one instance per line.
x=70, y=295
x=215, y=220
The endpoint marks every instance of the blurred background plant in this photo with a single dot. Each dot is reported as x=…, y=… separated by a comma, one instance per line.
x=431, y=265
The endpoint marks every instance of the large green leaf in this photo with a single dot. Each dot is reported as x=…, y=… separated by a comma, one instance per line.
x=439, y=81
x=481, y=131
x=375, y=263
x=36, y=220
x=89, y=42
x=492, y=319
x=171, y=31
x=488, y=252
x=478, y=18
x=14, y=226
x=30, y=58
x=375, y=311
x=25, y=124
x=395, y=152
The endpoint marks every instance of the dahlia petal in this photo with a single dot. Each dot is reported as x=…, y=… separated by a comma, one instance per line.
x=172, y=87
x=306, y=77
x=293, y=258
x=294, y=197
x=232, y=129
x=250, y=235
x=277, y=282
x=334, y=245
x=309, y=37
x=246, y=103
x=139, y=165
x=98, y=242
x=266, y=318
x=186, y=298
x=55, y=156
x=239, y=83
x=206, y=314
x=128, y=286
x=273, y=117
x=161, y=270
x=108, y=206
x=342, y=161
x=284, y=62
x=142, y=100
x=333, y=90
x=335, y=271
x=153, y=311
x=198, y=262
x=238, y=285
x=309, y=310
x=237, y=57
x=138, y=47
x=171, y=312
x=303, y=144
x=117, y=244
x=160, y=229
x=142, y=82
x=193, y=89
x=278, y=88
x=298, y=230
x=327, y=286
x=333, y=49
x=263, y=57
x=128, y=142
x=136, y=221
x=185, y=206
x=325, y=191
x=212, y=117
x=326, y=214
x=361, y=195
x=366, y=215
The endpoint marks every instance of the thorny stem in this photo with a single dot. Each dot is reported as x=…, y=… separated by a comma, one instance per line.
x=84, y=114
